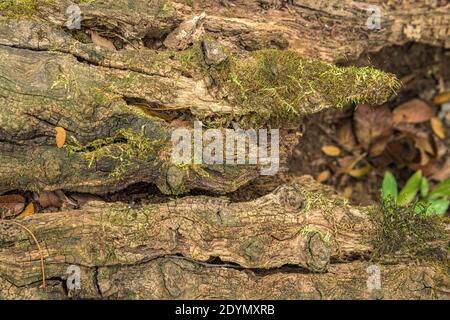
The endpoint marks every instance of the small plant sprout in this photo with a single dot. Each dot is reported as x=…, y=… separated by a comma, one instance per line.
x=417, y=189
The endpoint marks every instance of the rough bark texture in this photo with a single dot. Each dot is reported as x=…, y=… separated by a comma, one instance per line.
x=297, y=242
x=119, y=107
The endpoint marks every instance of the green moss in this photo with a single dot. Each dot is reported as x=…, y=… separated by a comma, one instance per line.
x=307, y=231
x=253, y=248
x=17, y=8
x=124, y=147
x=401, y=229
x=280, y=85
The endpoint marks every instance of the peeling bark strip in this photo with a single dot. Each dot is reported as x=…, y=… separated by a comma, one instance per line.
x=278, y=246
x=332, y=30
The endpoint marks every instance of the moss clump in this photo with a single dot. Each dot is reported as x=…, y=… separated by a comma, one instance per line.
x=126, y=146
x=17, y=8
x=403, y=229
x=280, y=85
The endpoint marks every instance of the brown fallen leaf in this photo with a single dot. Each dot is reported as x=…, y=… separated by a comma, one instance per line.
x=101, y=41
x=12, y=198
x=373, y=127
x=442, y=98
x=331, y=151
x=437, y=127
x=442, y=172
x=412, y=111
x=11, y=205
x=29, y=210
x=360, y=172
x=323, y=176
x=346, y=137
x=49, y=199
x=348, y=163
x=402, y=150
x=424, y=143
x=61, y=137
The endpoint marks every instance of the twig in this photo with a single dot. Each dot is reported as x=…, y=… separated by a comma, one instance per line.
x=44, y=285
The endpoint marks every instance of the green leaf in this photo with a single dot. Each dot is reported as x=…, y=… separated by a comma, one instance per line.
x=420, y=207
x=442, y=190
x=389, y=188
x=424, y=187
x=437, y=206
x=410, y=189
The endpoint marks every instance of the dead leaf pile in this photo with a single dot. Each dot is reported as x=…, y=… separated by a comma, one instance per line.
x=410, y=135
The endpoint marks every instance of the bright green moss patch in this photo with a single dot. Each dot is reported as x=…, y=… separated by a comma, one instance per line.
x=403, y=229
x=280, y=85
x=125, y=147
x=16, y=8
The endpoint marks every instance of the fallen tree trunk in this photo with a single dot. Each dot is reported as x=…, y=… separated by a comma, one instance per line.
x=177, y=278
x=297, y=242
x=119, y=104
x=116, y=102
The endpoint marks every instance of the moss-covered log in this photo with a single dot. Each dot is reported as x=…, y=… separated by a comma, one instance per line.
x=145, y=252
x=119, y=107
x=159, y=65
x=178, y=278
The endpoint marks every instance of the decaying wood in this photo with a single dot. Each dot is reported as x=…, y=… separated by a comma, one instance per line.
x=50, y=79
x=176, y=278
x=297, y=242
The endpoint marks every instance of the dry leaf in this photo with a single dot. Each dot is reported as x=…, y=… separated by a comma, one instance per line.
x=412, y=111
x=437, y=127
x=49, y=199
x=331, y=151
x=12, y=198
x=360, y=172
x=11, y=205
x=61, y=137
x=442, y=172
x=323, y=176
x=101, y=41
x=402, y=150
x=442, y=98
x=424, y=142
x=373, y=127
x=347, y=163
x=29, y=210
x=348, y=191
x=346, y=137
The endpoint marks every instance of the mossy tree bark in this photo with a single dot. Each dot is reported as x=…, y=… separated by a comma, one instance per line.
x=119, y=108
x=296, y=242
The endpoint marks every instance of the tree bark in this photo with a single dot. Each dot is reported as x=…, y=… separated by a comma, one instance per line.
x=119, y=108
x=297, y=242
